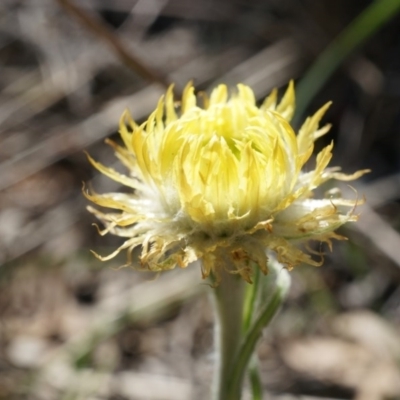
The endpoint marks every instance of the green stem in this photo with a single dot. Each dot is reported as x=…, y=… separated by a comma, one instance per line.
x=255, y=379
x=252, y=294
x=229, y=300
x=250, y=300
x=247, y=348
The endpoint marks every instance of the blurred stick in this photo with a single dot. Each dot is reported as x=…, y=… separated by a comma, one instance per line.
x=367, y=23
x=372, y=226
x=67, y=140
x=144, y=302
x=381, y=234
x=39, y=96
x=106, y=35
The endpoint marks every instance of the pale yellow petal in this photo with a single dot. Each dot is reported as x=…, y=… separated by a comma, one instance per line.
x=170, y=106
x=246, y=94
x=287, y=105
x=126, y=135
x=269, y=103
x=219, y=95
x=116, y=176
x=309, y=131
x=188, y=98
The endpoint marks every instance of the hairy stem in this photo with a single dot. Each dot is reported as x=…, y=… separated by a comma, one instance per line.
x=229, y=301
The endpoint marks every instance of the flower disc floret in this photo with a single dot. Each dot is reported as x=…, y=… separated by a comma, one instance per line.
x=221, y=183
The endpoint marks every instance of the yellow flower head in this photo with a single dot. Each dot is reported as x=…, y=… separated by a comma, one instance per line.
x=221, y=183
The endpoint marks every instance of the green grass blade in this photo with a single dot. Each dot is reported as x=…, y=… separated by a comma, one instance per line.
x=367, y=23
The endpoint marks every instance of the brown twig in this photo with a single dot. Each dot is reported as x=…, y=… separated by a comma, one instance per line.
x=100, y=30
x=282, y=63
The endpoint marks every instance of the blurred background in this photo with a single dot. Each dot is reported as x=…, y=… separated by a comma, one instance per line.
x=72, y=327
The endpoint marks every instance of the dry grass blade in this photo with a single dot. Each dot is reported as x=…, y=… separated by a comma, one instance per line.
x=380, y=233
x=101, y=124
x=146, y=301
x=116, y=45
